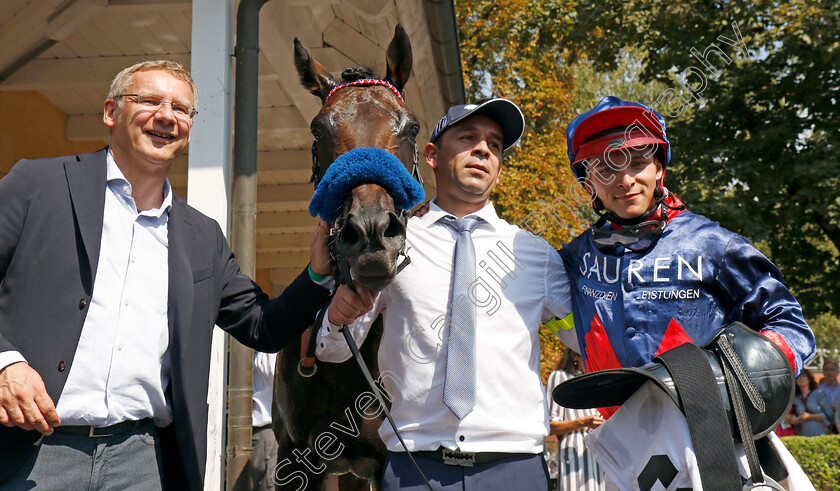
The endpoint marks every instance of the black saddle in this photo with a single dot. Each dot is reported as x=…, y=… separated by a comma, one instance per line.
x=738, y=365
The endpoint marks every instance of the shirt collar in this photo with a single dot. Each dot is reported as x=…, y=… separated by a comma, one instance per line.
x=120, y=185
x=487, y=214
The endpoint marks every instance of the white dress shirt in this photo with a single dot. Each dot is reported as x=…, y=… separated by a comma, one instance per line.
x=520, y=282
x=263, y=388
x=121, y=369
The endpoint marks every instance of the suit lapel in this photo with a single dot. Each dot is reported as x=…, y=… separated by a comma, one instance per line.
x=180, y=273
x=86, y=179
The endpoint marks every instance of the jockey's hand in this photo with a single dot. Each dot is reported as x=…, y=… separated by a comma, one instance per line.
x=319, y=250
x=24, y=401
x=422, y=210
x=347, y=305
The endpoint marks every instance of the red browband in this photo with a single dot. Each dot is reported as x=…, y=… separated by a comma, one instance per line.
x=365, y=82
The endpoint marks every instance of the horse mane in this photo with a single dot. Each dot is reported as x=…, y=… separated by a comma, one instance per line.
x=356, y=73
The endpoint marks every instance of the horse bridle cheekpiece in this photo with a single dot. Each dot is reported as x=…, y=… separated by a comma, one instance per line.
x=363, y=82
x=379, y=166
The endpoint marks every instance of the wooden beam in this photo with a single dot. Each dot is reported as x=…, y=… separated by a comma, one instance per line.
x=284, y=192
x=277, y=33
x=68, y=20
x=40, y=23
x=354, y=46
x=75, y=73
x=287, y=258
x=285, y=220
x=140, y=6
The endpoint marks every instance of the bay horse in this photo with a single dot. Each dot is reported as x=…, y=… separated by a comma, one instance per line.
x=320, y=426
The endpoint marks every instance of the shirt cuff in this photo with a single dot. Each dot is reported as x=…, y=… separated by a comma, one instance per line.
x=323, y=281
x=330, y=330
x=9, y=357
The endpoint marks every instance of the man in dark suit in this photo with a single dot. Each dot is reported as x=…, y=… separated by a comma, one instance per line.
x=109, y=289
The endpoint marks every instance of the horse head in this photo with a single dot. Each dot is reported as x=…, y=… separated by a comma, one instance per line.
x=362, y=111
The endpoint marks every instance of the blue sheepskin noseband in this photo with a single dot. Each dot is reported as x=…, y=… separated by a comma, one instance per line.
x=364, y=165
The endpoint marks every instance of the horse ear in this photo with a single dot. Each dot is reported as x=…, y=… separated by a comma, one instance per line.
x=399, y=59
x=313, y=76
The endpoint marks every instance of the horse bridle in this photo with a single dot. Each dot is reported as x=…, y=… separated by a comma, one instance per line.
x=338, y=226
x=307, y=367
x=363, y=82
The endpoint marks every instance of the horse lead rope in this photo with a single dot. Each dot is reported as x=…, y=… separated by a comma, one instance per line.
x=344, y=277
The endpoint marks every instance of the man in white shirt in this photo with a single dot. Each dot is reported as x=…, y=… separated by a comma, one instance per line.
x=496, y=440
x=110, y=286
x=264, y=459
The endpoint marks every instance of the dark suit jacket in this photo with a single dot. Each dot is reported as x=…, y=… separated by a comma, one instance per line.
x=51, y=214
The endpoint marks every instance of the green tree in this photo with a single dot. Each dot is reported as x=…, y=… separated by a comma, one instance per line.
x=827, y=332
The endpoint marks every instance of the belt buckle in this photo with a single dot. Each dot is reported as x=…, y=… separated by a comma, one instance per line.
x=456, y=457
x=92, y=433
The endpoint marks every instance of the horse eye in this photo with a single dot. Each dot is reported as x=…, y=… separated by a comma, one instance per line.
x=414, y=130
x=316, y=133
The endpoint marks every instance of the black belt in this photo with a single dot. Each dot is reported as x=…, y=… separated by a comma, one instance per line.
x=466, y=459
x=100, y=432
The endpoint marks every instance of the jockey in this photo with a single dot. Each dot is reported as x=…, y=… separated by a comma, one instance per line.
x=651, y=275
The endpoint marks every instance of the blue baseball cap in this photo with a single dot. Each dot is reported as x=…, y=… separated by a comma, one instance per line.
x=614, y=124
x=502, y=111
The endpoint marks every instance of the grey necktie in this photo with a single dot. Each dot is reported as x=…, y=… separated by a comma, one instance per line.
x=459, y=387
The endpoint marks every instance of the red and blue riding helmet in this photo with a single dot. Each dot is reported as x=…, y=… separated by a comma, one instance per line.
x=614, y=125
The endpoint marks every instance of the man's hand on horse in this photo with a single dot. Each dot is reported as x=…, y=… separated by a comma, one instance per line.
x=319, y=250
x=24, y=401
x=419, y=212
x=347, y=305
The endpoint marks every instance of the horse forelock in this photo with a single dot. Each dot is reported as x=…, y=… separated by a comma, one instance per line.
x=356, y=73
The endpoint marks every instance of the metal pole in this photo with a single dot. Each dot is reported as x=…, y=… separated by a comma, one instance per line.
x=243, y=236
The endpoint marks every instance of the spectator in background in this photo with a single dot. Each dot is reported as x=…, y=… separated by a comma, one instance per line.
x=829, y=383
x=813, y=412
x=264, y=458
x=576, y=466
x=786, y=428
x=837, y=421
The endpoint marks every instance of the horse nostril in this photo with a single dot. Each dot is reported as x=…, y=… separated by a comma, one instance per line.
x=351, y=233
x=395, y=227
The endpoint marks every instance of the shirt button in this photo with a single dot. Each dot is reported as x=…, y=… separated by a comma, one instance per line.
x=462, y=438
x=126, y=302
x=119, y=347
x=630, y=332
x=125, y=189
x=82, y=304
x=133, y=259
x=61, y=366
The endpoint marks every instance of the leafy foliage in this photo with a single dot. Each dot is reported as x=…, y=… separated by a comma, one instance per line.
x=827, y=332
x=819, y=457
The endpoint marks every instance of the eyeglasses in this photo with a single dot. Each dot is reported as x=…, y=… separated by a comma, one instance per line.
x=182, y=112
